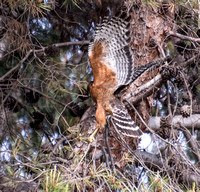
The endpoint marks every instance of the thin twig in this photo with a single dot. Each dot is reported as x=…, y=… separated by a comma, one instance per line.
x=184, y=37
x=193, y=143
x=168, y=99
x=71, y=43
x=108, y=147
x=58, y=144
x=16, y=66
x=41, y=50
x=46, y=96
x=191, y=60
x=106, y=157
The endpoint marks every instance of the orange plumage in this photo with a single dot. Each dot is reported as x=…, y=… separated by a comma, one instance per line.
x=112, y=66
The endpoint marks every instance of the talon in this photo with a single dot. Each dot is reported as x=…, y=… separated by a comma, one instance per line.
x=91, y=138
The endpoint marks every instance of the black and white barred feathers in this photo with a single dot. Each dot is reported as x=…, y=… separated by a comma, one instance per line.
x=114, y=36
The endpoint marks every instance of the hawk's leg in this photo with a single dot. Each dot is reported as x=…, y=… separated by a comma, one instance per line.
x=108, y=145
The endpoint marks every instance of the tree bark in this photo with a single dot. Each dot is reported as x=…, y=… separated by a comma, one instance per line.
x=192, y=122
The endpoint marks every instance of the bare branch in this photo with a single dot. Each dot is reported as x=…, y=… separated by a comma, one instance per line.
x=147, y=88
x=193, y=144
x=39, y=50
x=16, y=66
x=184, y=37
x=192, y=122
x=152, y=161
x=71, y=43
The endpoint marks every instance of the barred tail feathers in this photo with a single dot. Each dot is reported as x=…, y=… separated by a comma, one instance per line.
x=123, y=122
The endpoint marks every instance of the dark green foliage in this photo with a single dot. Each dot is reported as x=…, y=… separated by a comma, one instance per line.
x=43, y=93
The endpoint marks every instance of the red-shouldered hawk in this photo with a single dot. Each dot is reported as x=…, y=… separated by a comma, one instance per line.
x=113, y=66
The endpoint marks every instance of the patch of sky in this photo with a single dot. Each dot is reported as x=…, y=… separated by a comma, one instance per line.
x=68, y=55
x=154, y=144
x=4, y=154
x=160, y=106
x=53, y=138
x=43, y=24
x=150, y=144
x=146, y=142
x=89, y=69
x=72, y=77
x=167, y=52
x=25, y=132
x=182, y=140
x=81, y=76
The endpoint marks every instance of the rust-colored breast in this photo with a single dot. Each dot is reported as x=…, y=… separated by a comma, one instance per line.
x=104, y=78
x=104, y=85
x=102, y=74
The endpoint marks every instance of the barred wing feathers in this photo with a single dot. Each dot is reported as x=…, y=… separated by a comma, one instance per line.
x=115, y=33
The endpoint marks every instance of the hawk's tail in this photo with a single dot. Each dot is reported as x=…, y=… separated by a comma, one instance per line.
x=122, y=121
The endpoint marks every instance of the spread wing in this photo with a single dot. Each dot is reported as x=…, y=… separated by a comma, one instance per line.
x=114, y=35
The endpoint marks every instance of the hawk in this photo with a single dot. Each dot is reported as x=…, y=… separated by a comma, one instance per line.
x=112, y=66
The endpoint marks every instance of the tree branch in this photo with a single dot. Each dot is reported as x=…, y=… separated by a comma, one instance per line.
x=40, y=50
x=184, y=37
x=183, y=124
x=192, y=122
x=193, y=144
x=16, y=66
x=147, y=89
x=71, y=43
x=153, y=162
